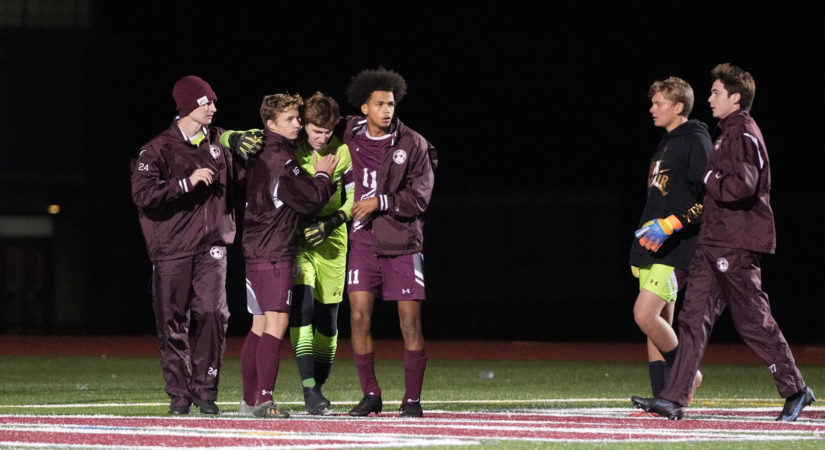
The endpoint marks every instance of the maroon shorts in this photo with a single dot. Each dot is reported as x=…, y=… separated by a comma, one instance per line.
x=390, y=277
x=268, y=287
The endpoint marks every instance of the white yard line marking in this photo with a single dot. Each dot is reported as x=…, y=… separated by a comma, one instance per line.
x=761, y=401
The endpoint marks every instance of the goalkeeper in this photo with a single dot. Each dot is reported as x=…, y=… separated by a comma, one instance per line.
x=320, y=265
x=668, y=230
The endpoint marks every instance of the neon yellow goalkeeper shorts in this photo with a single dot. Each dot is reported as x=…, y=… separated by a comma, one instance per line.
x=664, y=281
x=325, y=276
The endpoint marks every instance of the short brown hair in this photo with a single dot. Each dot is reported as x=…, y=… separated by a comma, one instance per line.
x=736, y=81
x=321, y=110
x=676, y=90
x=276, y=103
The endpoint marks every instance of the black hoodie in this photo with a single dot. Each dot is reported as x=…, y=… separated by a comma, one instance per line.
x=674, y=186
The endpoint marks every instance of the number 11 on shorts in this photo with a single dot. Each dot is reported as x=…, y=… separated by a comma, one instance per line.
x=352, y=276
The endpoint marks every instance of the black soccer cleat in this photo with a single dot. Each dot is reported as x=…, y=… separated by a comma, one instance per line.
x=207, y=406
x=315, y=403
x=178, y=409
x=319, y=388
x=660, y=406
x=794, y=405
x=370, y=403
x=411, y=409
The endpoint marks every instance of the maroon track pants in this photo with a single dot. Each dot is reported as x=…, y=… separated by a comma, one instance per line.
x=191, y=315
x=719, y=278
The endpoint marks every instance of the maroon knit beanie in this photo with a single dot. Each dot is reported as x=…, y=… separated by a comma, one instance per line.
x=191, y=92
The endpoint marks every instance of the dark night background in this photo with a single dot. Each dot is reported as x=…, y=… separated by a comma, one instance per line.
x=539, y=111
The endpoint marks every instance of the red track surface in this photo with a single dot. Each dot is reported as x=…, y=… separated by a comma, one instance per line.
x=437, y=428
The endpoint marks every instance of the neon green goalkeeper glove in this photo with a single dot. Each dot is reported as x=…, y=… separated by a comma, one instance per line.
x=246, y=143
x=319, y=231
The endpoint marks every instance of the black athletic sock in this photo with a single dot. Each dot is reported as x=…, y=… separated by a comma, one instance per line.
x=670, y=356
x=658, y=376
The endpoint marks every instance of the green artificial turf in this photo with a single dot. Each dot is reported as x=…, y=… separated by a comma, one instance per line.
x=124, y=382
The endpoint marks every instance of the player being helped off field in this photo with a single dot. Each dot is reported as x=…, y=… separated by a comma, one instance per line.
x=725, y=272
x=182, y=184
x=669, y=225
x=321, y=262
x=393, y=167
x=277, y=192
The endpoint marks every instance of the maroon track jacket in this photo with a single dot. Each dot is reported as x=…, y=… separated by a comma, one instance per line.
x=179, y=219
x=737, y=207
x=405, y=186
x=278, y=191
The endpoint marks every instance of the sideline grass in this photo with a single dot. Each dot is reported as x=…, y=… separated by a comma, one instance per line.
x=449, y=385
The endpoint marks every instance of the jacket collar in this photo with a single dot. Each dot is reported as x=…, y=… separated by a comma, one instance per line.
x=272, y=139
x=734, y=118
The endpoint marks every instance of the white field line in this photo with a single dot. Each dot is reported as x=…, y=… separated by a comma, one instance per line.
x=350, y=439
x=712, y=402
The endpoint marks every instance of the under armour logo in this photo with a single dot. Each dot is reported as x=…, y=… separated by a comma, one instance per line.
x=405, y=291
x=265, y=392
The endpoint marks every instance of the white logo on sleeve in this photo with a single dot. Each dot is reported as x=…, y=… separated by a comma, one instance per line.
x=217, y=252
x=399, y=156
x=722, y=264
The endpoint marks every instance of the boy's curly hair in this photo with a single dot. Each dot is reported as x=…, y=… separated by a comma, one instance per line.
x=362, y=86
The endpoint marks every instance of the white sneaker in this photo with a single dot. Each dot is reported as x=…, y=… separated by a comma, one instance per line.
x=244, y=409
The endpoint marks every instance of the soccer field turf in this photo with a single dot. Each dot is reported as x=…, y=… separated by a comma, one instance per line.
x=508, y=404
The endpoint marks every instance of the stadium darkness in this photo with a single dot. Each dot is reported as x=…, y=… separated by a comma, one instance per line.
x=539, y=112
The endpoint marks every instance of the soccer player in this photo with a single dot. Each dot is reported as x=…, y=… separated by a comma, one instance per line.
x=725, y=272
x=321, y=262
x=393, y=168
x=182, y=186
x=669, y=225
x=278, y=191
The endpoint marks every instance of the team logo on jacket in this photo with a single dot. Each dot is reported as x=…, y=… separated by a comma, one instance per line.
x=399, y=156
x=217, y=252
x=215, y=151
x=722, y=264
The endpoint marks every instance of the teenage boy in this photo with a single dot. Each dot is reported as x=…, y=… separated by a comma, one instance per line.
x=737, y=231
x=393, y=168
x=182, y=186
x=669, y=226
x=321, y=263
x=278, y=191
